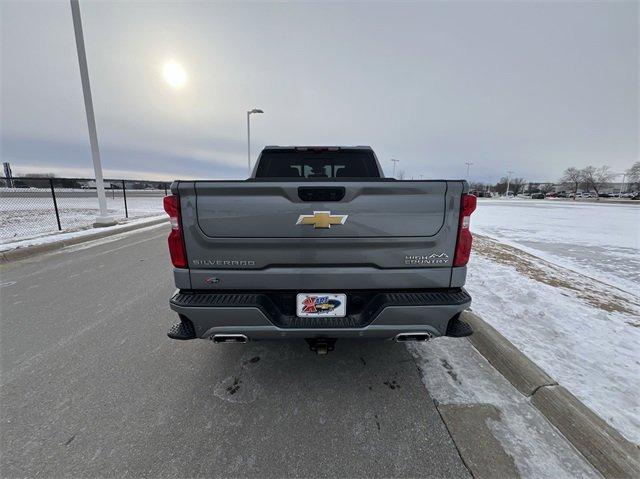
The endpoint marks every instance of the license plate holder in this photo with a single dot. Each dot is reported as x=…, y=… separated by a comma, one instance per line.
x=321, y=305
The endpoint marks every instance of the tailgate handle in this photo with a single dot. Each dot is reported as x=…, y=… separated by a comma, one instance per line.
x=321, y=193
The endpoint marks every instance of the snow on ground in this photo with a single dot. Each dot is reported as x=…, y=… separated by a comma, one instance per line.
x=583, y=332
x=599, y=240
x=23, y=217
x=462, y=381
x=52, y=238
x=561, y=280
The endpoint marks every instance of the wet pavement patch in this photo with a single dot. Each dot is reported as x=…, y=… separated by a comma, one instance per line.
x=481, y=451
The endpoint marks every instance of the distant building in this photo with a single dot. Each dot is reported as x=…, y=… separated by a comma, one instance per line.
x=547, y=187
x=615, y=188
x=91, y=185
x=7, y=174
x=531, y=188
x=609, y=188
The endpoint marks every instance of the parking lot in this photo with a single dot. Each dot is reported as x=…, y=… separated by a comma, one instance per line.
x=91, y=386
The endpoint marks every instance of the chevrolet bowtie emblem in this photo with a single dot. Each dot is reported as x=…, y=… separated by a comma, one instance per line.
x=322, y=219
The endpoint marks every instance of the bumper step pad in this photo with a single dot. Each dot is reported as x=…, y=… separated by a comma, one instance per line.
x=279, y=307
x=182, y=331
x=458, y=328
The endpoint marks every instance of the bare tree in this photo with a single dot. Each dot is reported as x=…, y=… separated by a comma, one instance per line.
x=501, y=186
x=633, y=174
x=517, y=185
x=547, y=188
x=40, y=175
x=596, y=178
x=477, y=186
x=573, y=177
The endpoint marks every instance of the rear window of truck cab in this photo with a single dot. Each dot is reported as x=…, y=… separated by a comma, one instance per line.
x=317, y=164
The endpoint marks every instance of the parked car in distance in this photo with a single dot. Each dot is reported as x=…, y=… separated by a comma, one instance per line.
x=484, y=194
x=587, y=194
x=562, y=194
x=537, y=196
x=604, y=195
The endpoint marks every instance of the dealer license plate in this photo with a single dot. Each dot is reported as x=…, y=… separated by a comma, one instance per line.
x=321, y=305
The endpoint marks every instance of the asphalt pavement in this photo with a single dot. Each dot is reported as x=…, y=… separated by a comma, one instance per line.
x=92, y=387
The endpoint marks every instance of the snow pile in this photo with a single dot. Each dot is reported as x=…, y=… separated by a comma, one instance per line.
x=53, y=238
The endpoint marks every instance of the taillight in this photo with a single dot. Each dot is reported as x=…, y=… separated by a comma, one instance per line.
x=463, y=245
x=176, y=242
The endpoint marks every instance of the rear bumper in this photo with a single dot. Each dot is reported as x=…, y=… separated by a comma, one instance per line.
x=321, y=278
x=259, y=316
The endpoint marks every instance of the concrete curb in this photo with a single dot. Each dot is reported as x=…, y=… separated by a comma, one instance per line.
x=601, y=444
x=26, y=252
x=523, y=373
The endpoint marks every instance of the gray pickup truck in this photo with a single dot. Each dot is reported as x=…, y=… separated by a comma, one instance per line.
x=317, y=244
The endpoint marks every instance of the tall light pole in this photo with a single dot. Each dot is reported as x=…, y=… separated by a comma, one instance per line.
x=249, y=113
x=394, y=166
x=468, y=163
x=508, y=182
x=103, y=219
x=624, y=177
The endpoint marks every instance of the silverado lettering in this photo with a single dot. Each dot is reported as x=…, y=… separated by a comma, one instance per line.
x=222, y=262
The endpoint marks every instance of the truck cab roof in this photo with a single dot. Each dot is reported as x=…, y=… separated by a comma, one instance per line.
x=317, y=162
x=316, y=147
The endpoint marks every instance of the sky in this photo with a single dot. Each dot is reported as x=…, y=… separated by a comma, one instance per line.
x=533, y=87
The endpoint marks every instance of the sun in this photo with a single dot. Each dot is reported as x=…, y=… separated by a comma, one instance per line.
x=174, y=74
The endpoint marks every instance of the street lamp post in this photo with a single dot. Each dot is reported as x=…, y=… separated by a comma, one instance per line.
x=249, y=113
x=624, y=177
x=394, y=166
x=468, y=163
x=103, y=219
x=508, y=182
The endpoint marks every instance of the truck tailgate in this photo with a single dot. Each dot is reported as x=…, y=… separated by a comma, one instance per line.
x=380, y=209
x=290, y=232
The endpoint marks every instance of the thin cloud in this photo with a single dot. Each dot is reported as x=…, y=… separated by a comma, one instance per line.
x=532, y=87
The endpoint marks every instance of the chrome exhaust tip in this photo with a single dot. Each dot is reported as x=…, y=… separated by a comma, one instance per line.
x=229, y=338
x=404, y=337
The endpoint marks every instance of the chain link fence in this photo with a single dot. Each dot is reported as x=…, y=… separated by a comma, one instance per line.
x=33, y=206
